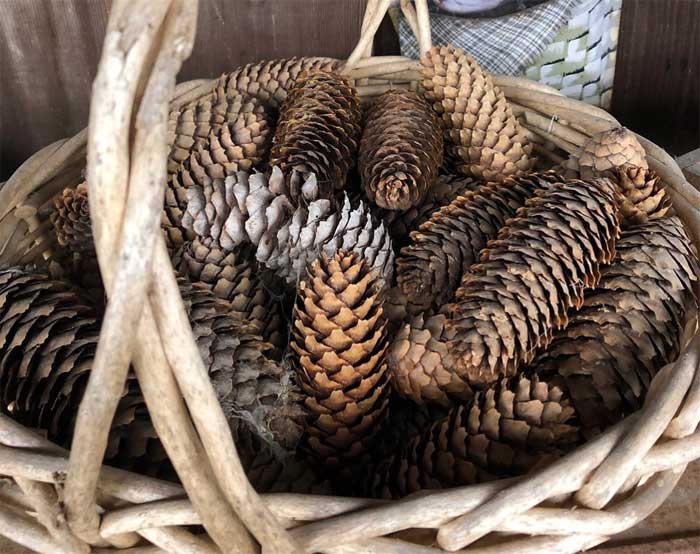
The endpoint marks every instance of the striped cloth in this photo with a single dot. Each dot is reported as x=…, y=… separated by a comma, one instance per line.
x=505, y=45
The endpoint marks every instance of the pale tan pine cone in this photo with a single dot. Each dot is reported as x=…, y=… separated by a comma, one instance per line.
x=340, y=340
x=486, y=137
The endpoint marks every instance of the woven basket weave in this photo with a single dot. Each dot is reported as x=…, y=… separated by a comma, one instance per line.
x=56, y=502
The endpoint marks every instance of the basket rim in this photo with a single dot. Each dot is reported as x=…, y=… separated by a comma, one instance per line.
x=617, y=459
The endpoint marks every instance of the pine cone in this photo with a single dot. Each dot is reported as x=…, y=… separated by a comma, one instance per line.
x=71, y=220
x=318, y=132
x=505, y=430
x=211, y=138
x=257, y=209
x=270, y=470
x=400, y=151
x=81, y=270
x=629, y=327
x=234, y=276
x=445, y=189
x=644, y=196
x=269, y=81
x=230, y=132
x=606, y=151
x=405, y=420
x=339, y=336
x=479, y=122
x=539, y=267
x=47, y=346
x=443, y=249
x=419, y=362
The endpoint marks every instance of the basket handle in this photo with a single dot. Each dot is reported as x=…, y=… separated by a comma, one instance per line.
x=145, y=321
x=418, y=19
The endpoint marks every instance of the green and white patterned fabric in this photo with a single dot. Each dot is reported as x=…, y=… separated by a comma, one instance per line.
x=567, y=44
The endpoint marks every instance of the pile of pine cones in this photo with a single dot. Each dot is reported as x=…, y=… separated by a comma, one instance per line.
x=389, y=297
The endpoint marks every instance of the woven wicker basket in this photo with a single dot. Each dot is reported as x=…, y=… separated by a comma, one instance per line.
x=55, y=502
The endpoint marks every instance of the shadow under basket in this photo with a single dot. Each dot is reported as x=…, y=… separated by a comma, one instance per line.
x=54, y=501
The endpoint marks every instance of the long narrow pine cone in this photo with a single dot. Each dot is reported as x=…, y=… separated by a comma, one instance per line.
x=443, y=249
x=419, y=362
x=339, y=337
x=643, y=195
x=479, y=122
x=257, y=209
x=400, y=150
x=318, y=132
x=629, y=327
x=48, y=340
x=70, y=219
x=606, y=151
x=506, y=430
x=270, y=81
x=235, y=276
x=509, y=304
x=445, y=189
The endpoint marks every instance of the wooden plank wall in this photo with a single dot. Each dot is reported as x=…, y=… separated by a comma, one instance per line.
x=49, y=52
x=657, y=75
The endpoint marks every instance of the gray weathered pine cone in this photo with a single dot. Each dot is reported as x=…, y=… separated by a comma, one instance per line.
x=257, y=209
x=443, y=248
x=486, y=137
x=235, y=276
x=48, y=341
x=509, y=305
x=400, y=150
x=318, y=132
x=629, y=326
x=508, y=429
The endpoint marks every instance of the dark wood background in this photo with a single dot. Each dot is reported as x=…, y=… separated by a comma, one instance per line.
x=49, y=51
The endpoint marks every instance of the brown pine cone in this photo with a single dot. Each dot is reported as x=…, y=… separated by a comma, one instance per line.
x=644, y=196
x=606, y=151
x=443, y=249
x=236, y=277
x=419, y=362
x=446, y=188
x=269, y=81
x=479, y=122
x=400, y=150
x=257, y=209
x=629, y=327
x=229, y=132
x=318, y=132
x=510, y=303
x=506, y=430
x=71, y=220
x=48, y=339
x=339, y=336
x=405, y=420
x=211, y=138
